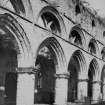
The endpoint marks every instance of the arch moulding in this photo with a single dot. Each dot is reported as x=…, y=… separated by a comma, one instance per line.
x=10, y=28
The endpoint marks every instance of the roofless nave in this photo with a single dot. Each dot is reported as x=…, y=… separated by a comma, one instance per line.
x=51, y=52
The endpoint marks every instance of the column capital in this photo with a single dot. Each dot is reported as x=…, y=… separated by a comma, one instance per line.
x=62, y=75
x=99, y=82
x=32, y=70
x=83, y=80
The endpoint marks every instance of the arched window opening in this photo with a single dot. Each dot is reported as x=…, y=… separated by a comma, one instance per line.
x=76, y=38
x=93, y=23
x=18, y=6
x=77, y=9
x=50, y=22
x=93, y=47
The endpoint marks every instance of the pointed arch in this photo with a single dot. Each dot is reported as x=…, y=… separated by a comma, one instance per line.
x=77, y=70
x=94, y=66
x=50, y=60
x=77, y=36
x=93, y=76
x=79, y=57
x=93, y=47
x=14, y=50
x=11, y=30
x=50, y=19
x=52, y=44
x=18, y=6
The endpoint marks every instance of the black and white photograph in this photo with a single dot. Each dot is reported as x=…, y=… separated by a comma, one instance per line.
x=52, y=52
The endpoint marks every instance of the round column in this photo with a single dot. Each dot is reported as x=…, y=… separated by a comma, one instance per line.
x=25, y=87
x=82, y=89
x=61, y=89
x=96, y=91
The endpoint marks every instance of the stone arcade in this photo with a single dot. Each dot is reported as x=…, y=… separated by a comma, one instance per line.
x=51, y=52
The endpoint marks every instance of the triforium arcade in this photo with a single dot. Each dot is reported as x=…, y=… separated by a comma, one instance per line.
x=51, y=52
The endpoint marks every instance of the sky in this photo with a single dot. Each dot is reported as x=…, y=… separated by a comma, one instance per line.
x=98, y=5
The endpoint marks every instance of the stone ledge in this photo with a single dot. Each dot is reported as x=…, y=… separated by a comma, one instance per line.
x=65, y=75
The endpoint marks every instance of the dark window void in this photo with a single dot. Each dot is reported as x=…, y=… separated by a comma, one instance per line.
x=77, y=9
x=51, y=22
x=93, y=23
x=45, y=80
x=8, y=64
x=104, y=34
x=76, y=38
x=92, y=48
x=18, y=6
x=73, y=81
x=90, y=81
x=10, y=88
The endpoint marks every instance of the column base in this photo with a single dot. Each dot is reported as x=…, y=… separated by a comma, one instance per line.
x=61, y=104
